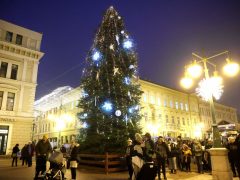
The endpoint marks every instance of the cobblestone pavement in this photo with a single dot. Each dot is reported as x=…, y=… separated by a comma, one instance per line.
x=85, y=173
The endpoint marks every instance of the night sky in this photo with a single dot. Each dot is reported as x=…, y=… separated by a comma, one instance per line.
x=165, y=33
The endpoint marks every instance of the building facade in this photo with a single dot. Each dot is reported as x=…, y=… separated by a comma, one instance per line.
x=19, y=59
x=165, y=112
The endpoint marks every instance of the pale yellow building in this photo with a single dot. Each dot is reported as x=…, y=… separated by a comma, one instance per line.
x=19, y=59
x=165, y=111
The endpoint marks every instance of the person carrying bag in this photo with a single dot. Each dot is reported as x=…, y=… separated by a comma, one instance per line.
x=74, y=159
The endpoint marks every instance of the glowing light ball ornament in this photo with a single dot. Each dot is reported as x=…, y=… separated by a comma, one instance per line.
x=96, y=56
x=208, y=88
x=85, y=125
x=107, y=107
x=127, y=44
x=127, y=80
x=133, y=109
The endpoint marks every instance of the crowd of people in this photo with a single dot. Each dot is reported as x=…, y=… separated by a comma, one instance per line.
x=65, y=157
x=176, y=154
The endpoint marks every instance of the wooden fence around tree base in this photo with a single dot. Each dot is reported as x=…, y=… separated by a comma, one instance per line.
x=110, y=162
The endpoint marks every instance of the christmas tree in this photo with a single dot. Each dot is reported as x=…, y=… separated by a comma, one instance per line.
x=110, y=89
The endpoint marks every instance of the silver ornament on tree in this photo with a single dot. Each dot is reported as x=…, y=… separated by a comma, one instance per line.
x=118, y=113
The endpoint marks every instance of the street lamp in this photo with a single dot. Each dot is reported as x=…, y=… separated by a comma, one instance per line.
x=211, y=86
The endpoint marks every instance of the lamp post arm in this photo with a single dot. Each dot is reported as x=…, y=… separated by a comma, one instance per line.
x=216, y=55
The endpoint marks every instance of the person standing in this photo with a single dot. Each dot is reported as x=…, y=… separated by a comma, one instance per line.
x=179, y=157
x=30, y=152
x=43, y=148
x=74, y=159
x=149, y=148
x=15, y=152
x=129, y=152
x=24, y=155
x=137, y=157
x=172, y=157
x=162, y=152
x=234, y=155
x=198, y=152
x=187, y=153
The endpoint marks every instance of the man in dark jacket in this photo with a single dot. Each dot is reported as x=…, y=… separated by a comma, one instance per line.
x=234, y=155
x=162, y=152
x=149, y=147
x=43, y=148
x=30, y=150
x=129, y=151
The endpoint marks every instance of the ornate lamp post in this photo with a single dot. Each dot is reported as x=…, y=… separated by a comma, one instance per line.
x=211, y=87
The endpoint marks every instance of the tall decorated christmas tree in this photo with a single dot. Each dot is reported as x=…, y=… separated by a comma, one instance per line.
x=110, y=89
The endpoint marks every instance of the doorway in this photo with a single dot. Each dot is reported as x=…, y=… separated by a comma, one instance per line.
x=3, y=139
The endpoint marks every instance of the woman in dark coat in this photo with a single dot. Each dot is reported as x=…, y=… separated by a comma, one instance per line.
x=74, y=159
x=15, y=151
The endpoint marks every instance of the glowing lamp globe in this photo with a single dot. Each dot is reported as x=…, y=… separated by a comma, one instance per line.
x=186, y=82
x=231, y=69
x=194, y=70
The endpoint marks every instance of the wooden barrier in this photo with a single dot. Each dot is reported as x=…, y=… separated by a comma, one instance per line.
x=110, y=162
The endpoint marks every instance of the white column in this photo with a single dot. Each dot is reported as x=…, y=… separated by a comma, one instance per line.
x=24, y=71
x=9, y=70
x=20, y=104
x=35, y=71
x=4, y=102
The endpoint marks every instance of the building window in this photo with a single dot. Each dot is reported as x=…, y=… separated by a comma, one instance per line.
x=181, y=106
x=165, y=103
x=9, y=36
x=178, y=120
x=3, y=69
x=183, y=121
x=152, y=99
x=176, y=103
x=1, y=99
x=160, y=117
x=166, y=118
x=186, y=107
x=145, y=116
x=159, y=101
x=14, y=71
x=19, y=39
x=173, y=121
x=10, y=101
x=144, y=97
x=171, y=104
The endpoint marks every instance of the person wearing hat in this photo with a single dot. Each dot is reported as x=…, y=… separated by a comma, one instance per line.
x=129, y=152
x=43, y=148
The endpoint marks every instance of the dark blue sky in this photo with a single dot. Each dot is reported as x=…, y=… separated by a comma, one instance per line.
x=165, y=32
